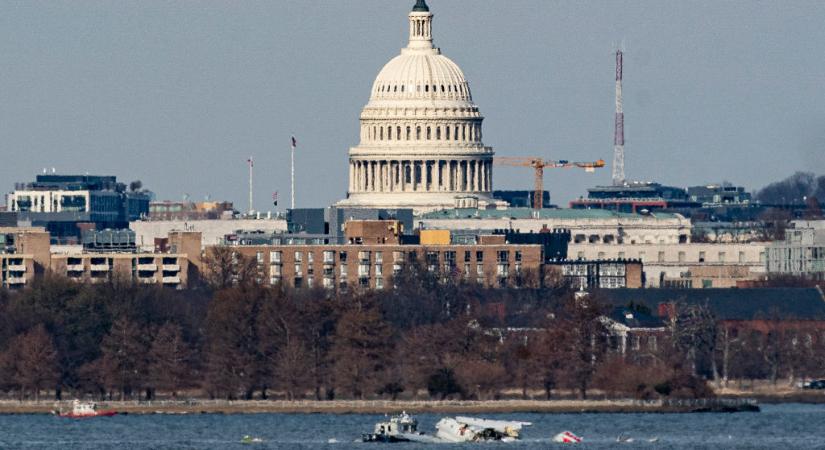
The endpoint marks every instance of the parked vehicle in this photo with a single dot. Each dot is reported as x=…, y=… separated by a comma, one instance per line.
x=814, y=384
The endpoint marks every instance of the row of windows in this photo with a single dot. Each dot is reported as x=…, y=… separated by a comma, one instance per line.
x=464, y=132
x=462, y=89
x=610, y=239
x=681, y=257
x=276, y=256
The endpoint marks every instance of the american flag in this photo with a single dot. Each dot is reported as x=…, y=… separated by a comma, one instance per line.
x=294, y=143
x=249, y=161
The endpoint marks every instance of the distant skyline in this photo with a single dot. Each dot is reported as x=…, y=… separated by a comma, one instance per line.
x=180, y=94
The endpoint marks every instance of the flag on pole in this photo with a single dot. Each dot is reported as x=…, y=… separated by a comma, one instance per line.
x=249, y=161
x=275, y=198
x=294, y=143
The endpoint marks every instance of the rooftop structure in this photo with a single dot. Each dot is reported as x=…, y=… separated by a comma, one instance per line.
x=67, y=204
x=421, y=144
x=636, y=196
x=719, y=194
x=185, y=210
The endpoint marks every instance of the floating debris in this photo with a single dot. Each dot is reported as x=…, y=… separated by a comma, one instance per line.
x=567, y=437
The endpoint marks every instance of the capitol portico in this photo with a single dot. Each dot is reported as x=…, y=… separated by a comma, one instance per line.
x=421, y=133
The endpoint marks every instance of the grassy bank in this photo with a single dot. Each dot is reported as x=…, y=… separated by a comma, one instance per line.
x=373, y=407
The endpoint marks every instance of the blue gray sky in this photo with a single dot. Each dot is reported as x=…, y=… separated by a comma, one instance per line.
x=178, y=94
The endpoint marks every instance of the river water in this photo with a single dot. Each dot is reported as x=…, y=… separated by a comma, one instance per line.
x=789, y=426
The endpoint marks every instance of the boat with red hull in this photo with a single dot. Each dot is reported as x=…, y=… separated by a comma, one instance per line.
x=85, y=410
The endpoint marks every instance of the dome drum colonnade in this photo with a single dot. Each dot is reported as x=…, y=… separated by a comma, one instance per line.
x=420, y=132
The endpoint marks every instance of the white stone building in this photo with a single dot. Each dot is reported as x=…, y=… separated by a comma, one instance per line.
x=421, y=133
x=591, y=226
x=802, y=253
x=213, y=231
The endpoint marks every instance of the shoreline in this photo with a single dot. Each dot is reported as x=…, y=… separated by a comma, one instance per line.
x=390, y=407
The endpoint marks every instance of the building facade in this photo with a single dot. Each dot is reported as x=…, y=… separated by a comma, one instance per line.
x=683, y=265
x=802, y=253
x=585, y=226
x=421, y=140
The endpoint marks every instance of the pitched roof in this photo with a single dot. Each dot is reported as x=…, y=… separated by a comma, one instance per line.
x=731, y=303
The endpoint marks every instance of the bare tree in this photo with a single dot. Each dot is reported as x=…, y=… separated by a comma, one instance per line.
x=362, y=348
x=35, y=361
x=124, y=357
x=224, y=267
x=169, y=359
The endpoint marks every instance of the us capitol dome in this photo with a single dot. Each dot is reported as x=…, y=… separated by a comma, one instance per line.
x=421, y=133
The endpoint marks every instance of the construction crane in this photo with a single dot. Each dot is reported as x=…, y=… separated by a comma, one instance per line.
x=539, y=165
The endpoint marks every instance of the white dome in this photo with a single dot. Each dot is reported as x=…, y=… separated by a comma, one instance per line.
x=421, y=143
x=421, y=75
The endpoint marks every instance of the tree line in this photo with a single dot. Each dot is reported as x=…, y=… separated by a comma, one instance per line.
x=428, y=336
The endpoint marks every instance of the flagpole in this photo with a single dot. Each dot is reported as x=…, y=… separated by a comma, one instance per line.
x=250, y=184
x=292, y=170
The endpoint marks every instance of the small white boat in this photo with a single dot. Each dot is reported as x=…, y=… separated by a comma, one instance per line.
x=400, y=428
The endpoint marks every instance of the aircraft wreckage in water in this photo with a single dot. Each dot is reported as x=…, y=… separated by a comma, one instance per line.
x=404, y=428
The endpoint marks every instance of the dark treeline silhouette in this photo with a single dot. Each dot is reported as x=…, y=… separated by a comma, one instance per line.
x=798, y=188
x=428, y=336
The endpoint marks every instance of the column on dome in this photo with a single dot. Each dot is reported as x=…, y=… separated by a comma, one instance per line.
x=483, y=176
x=357, y=181
x=374, y=176
x=366, y=176
x=379, y=178
x=453, y=176
x=350, y=175
x=404, y=185
x=394, y=180
x=437, y=175
x=460, y=185
x=489, y=176
x=428, y=176
x=385, y=176
x=473, y=176
x=468, y=177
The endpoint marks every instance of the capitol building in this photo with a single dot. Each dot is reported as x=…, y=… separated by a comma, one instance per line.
x=421, y=144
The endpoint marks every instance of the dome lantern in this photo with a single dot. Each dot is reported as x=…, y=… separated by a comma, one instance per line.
x=421, y=27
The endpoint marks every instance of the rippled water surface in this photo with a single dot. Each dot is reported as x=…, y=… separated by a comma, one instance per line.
x=777, y=426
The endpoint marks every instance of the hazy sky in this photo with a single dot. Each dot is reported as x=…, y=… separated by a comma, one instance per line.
x=179, y=93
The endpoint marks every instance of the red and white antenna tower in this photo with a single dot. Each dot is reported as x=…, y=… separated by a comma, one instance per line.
x=618, y=131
